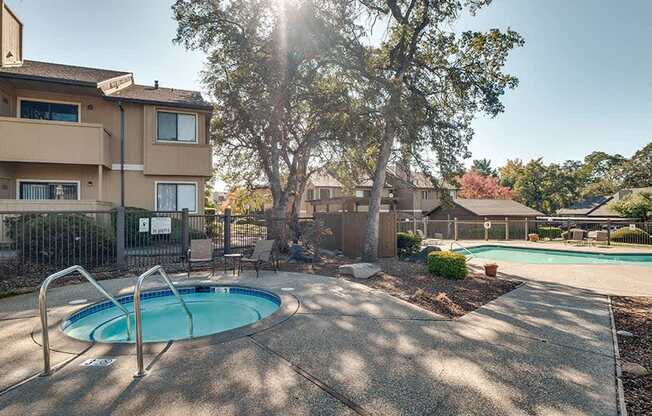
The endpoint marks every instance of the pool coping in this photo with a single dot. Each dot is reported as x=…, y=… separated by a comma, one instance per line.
x=556, y=250
x=60, y=342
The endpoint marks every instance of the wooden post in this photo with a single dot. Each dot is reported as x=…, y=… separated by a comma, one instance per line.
x=414, y=222
x=486, y=231
x=527, y=229
x=506, y=228
x=425, y=227
x=608, y=232
x=455, y=228
x=568, y=234
x=227, y=230
x=100, y=183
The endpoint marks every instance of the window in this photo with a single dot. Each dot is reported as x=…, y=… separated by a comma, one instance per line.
x=311, y=195
x=364, y=193
x=424, y=195
x=41, y=110
x=176, y=127
x=324, y=193
x=176, y=196
x=48, y=190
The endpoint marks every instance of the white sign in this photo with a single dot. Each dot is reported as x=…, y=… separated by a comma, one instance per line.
x=161, y=225
x=632, y=226
x=487, y=225
x=143, y=225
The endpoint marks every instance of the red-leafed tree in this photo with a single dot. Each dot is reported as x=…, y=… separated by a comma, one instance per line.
x=476, y=186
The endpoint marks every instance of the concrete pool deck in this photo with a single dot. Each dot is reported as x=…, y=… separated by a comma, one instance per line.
x=545, y=348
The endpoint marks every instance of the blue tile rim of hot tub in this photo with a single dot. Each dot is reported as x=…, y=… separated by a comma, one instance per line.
x=241, y=290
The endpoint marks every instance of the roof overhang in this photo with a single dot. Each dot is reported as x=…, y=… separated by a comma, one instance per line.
x=207, y=108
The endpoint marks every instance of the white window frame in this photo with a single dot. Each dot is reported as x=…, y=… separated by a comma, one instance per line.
x=196, y=115
x=18, y=181
x=425, y=194
x=156, y=183
x=43, y=100
x=330, y=193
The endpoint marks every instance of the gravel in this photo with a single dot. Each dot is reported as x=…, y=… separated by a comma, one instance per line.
x=634, y=315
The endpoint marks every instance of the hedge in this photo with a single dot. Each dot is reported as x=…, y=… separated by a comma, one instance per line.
x=62, y=239
x=626, y=235
x=447, y=264
x=549, y=232
x=407, y=244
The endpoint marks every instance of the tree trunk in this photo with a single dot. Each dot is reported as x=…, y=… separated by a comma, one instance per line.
x=370, y=250
x=277, y=220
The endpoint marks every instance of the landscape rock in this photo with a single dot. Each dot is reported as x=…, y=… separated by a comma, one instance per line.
x=634, y=370
x=624, y=333
x=360, y=270
x=422, y=256
x=297, y=255
x=327, y=253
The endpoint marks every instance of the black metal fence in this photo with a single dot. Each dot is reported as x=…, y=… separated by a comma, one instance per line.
x=41, y=242
x=581, y=231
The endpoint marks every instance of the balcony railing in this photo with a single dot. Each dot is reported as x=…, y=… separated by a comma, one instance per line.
x=24, y=140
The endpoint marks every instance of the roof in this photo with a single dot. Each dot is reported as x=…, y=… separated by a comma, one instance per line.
x=326, y=180
x=166, y=96
x=37, y=70
x=417, y=179
x=495, y=207
x=584, y=206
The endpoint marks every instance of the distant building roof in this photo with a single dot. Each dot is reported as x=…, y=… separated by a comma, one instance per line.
x=326, y=180
x=58, y=72
x=600, y=206
x=160, y=95
x=584, y=206
x=495, y=207
x=417, y=179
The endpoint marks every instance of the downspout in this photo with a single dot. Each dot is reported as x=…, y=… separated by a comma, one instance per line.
x=122, y=154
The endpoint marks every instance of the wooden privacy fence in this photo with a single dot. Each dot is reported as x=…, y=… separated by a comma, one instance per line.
x=347, y=231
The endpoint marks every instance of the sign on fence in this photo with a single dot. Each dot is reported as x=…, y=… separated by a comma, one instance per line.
x=487, y=225
x=632, y=226
x=161, y=225
x=143, y=225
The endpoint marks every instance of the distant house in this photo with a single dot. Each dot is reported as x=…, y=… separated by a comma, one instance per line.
x=479, y=209
x=599, y=206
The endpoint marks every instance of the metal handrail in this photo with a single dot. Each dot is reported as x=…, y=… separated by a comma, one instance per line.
x=137, y=311
x=43, y=308
x=463, y=248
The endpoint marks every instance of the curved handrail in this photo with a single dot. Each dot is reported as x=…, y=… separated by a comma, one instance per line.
x=43, y=308
x=463, y=248
x=137, y=311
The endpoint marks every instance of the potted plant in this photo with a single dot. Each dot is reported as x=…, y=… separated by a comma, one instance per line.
x=491, y=269
x=533, y=237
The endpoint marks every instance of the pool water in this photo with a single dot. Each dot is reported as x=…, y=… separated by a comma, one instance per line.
x=547, y=256
x=214, y=309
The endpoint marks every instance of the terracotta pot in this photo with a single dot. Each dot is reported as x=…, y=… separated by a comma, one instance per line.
x=533, y=237
x=491, y=270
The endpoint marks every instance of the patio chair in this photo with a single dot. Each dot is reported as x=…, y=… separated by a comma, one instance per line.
x=263, y=253
x=200, y=251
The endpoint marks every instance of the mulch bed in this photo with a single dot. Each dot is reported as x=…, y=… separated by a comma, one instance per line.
x=412, y=282
x=634, y=314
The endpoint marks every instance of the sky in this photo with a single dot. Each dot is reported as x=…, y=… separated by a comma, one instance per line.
x=585, y=71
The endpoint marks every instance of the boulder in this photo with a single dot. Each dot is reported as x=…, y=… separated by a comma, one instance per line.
x=360, y=270
x=298, y=255
x=634, y=370
x=422, y=256
x=624, y=333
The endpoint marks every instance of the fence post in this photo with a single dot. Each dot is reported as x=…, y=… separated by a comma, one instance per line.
x=414, y=222
x=425, y=227
x=486, y=231
x=568, y=234
x=185, y=234
x=506, y=228
x=455, y=228
x=227, y=230
x=527, y=230
x=608, y=232
x=120, y=237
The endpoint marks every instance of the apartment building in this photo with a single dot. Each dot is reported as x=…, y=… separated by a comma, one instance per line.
x=61, y=129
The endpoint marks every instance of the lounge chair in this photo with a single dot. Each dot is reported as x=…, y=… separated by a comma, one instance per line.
x=201, y=251
x=263, y=253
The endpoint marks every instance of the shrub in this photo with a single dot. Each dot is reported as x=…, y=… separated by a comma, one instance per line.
x=134, y=238
x=62, y=239
x=549, y=232
x=447, y=264
x=626, y=235
x=407, y=244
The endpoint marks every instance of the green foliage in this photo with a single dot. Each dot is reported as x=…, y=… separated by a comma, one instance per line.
x=626, y=235
x=134, y=238
x=549, y=232
x=62, y=239
x=447, y=264
x=483, y=167
x=407, y=244
x=636, y=205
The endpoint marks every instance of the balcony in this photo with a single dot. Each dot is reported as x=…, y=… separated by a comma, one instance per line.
x=24, y=140
x=178, y=159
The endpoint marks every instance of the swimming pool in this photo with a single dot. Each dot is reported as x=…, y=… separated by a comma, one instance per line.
x=214, y=309
x=548, y=256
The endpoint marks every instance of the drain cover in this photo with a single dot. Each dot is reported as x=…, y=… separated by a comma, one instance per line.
x=98, y=362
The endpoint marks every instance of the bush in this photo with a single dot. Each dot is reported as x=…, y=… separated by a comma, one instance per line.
x=549, y=232
x=407, y=244
x=134, y=238
x=447, y=264
x=62, y=239
x=625, y=235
